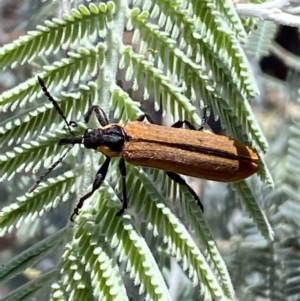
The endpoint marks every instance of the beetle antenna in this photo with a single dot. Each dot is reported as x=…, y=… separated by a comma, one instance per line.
x=56, y=106
x=44, y=175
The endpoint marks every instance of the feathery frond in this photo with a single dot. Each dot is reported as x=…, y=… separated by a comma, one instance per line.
x=183, y=55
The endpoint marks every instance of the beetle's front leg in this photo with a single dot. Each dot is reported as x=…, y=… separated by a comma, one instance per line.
x=100, y=176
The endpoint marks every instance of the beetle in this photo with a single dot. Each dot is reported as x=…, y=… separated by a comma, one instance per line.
x=176, y=150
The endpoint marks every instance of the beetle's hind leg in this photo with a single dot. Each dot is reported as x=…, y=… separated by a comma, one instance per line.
x=178, y=179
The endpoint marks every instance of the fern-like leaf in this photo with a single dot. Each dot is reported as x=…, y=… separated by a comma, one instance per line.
x=184, y=55
x=31, y=256
x=57, y=34
x=31, y=205
x=253, y=209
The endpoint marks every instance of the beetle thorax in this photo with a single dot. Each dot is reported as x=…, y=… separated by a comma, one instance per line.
x=109, y=140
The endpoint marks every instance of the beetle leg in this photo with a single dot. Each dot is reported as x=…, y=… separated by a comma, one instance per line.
x=122, y=168
x=177, y=124
x=180, y=123
x=204, y=118
x=145, y=116
x=73, y=123
x=178, y=179
x=101, y=116
x=100, y=176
